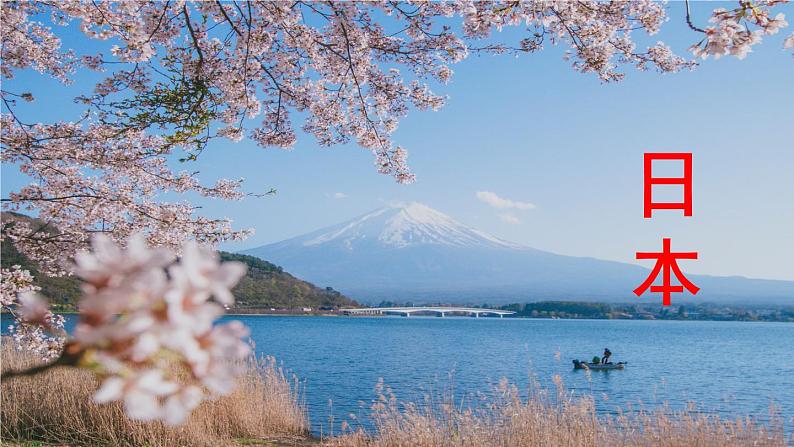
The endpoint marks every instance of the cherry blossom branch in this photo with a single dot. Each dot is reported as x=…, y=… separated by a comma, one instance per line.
x=193, y=35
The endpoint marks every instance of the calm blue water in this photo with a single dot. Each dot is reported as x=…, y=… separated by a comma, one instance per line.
x=730, y=368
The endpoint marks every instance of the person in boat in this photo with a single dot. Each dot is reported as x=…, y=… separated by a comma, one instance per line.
x=605, y=357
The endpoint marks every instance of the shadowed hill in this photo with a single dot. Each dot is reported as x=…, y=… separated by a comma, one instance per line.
x=268, y=285
x=264, y=286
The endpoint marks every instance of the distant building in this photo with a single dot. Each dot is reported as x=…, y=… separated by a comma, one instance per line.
x=307, y=309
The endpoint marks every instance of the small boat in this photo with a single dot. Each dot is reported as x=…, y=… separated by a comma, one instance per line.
x=577, y=364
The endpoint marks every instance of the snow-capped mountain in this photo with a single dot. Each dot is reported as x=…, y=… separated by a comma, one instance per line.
x=413, y=252
x=401, y=226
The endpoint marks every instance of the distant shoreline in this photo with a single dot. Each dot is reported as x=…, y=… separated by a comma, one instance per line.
x=460, y=317
x=565, y=310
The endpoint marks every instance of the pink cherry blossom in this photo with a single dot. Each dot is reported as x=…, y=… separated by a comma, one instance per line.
x=141, y=393
x=789, y=42
x=150, y=337
x=157, y=318
x=109, y=264
x=36, y=329
x=200, y=273
x=33, y=309
x=44, y=340
x=15, y=281
x=178, y=405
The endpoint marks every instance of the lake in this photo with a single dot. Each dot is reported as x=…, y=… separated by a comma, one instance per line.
x=728, y=368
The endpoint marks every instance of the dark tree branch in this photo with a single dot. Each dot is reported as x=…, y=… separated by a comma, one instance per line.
x=689, y=19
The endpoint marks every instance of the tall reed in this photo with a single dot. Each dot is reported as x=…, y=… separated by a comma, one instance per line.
x=55, y=407
x=546, y=420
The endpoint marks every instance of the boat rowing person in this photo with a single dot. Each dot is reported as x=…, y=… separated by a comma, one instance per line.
x=605, y=357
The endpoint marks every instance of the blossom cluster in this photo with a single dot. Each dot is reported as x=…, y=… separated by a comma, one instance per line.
x=180, y=74
x=43, y=337
x=599, y=34
x=119, y=198
x=14, y=282
x=36, y=330
x=731, y=33
x=147, y=326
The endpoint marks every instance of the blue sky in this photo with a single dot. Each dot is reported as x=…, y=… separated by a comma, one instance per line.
x=531, y=129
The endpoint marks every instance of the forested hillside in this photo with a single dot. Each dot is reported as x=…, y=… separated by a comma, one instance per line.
x=269, y=286
x=264, y=286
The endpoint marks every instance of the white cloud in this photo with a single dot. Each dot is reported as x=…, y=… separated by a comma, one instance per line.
x=509, y=218
x=339, y=195
x=498, y=202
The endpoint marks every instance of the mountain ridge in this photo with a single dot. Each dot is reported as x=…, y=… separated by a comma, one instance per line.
x=413, y=252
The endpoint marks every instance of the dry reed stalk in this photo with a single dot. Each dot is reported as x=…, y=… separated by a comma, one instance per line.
x=55, y=407
x=507, y=420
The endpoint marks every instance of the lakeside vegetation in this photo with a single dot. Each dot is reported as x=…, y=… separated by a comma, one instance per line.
x=633, y=311
x=646, y=311
x=267, y=410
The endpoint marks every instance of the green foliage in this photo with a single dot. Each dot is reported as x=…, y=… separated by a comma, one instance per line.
x=567, y=307
x=652, y=311
x=180, y=108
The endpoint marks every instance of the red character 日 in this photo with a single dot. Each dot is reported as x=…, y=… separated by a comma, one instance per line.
x=650, y=180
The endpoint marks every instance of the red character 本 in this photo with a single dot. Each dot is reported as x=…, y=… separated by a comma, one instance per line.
x=667, y=260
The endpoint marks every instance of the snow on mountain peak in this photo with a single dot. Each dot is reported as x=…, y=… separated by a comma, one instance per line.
x=402, y=225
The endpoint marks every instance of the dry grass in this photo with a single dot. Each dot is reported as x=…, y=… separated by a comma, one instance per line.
x=507, y=420
x=55, y=408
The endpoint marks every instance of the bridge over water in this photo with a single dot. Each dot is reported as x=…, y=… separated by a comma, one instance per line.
x=440, y=311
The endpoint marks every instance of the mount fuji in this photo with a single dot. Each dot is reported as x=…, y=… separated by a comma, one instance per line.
x=412, y=252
